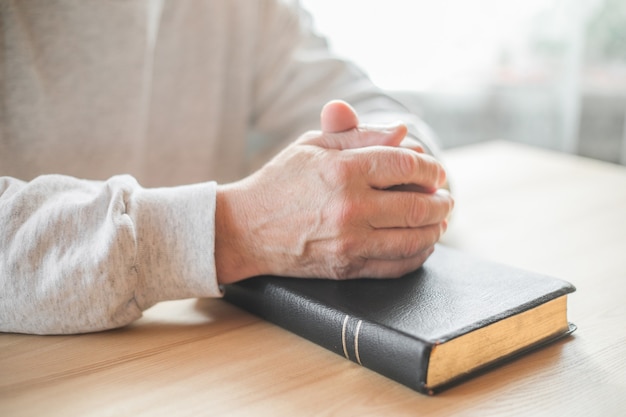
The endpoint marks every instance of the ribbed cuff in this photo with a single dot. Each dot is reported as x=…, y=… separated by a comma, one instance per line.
x=175, y=231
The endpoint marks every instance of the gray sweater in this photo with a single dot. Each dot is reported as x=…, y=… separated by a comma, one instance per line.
x=97, y=98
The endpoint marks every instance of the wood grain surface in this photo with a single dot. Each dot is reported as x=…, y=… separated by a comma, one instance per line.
x=539, y=210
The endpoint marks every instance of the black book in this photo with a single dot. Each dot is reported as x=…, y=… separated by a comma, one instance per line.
x=456, y=316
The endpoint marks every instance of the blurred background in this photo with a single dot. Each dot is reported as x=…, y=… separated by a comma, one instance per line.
x=550, y=73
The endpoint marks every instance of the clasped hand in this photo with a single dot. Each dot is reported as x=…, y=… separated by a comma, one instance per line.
x=345, y=202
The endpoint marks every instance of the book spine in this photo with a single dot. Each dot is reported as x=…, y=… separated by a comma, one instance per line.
x=388, y=352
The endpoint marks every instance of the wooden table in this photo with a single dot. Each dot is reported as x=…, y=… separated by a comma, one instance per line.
x=543, y=211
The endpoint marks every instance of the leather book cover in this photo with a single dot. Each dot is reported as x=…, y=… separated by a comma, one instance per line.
x=392, y=325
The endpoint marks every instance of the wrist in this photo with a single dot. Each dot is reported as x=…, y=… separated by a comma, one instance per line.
x=234, y=254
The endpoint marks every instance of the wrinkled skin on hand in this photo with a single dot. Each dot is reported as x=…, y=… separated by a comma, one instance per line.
x=344, y=202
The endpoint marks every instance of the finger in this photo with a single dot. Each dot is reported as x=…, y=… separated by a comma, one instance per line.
x=338, y=116
x=380, y=268
x=415, y=145
x=363, y=136
x=397, y=209
x=396, y=244
x=385, y=167
x=412, y=144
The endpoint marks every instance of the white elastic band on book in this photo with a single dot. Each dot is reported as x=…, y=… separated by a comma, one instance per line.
x=356, y=339
x=343, y=336
x=356, y=342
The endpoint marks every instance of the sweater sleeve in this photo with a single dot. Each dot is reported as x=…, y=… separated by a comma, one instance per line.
x=297, y=73
x=81, y=256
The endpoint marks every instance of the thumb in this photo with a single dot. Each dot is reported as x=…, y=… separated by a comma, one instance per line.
x=340, y=130
x=338, y=116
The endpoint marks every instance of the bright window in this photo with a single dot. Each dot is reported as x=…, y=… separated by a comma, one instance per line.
x=546, y=72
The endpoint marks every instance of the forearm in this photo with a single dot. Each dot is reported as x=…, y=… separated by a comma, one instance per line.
x=80, y=256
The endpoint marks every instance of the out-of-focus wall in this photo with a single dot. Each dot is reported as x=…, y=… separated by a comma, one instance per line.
x=550, y=73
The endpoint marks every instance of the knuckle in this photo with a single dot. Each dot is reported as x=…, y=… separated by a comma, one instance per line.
x=341, y=271
x=423, y=256
x=418, y=212
x=310, y=137
x=434, y=233
x=342, y=170
x=373, y=162
x=429, y=168
x=412, y=246
x=344, y=248
x=446, y=206
x=349, y=215
x=408, y=164
x=344, y=264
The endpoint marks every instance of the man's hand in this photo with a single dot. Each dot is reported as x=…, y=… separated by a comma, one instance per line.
x=334, y=204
